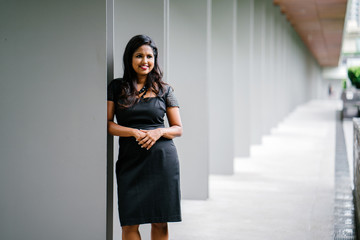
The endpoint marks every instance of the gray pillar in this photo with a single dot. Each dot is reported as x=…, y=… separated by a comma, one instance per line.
x=267, y=73
x=53, y=121
x=286, y=72
x=272, y=68
x=243, y=76
x=221, y=87
x=189, y=35
x=258, y=70
x=278, y=67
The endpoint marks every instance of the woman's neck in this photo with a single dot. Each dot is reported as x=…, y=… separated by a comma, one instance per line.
x=141, y=80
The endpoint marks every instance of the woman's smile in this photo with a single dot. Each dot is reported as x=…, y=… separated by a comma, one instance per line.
x=144, y=67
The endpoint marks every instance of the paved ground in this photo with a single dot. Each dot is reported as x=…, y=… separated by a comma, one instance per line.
x=285, y=190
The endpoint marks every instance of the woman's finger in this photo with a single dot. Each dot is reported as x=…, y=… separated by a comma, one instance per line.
x=142, y=141
x=151, y=144
x=146, y=144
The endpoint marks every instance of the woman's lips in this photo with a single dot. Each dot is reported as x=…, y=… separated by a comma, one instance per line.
x=144, y=67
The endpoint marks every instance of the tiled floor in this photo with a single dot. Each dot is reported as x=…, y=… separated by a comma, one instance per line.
x=285, y=190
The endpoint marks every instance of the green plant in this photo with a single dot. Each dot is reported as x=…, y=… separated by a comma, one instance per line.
x=354, y=76
x=344, y=84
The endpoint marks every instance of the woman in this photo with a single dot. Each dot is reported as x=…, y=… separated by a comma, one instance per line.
x=147, y=169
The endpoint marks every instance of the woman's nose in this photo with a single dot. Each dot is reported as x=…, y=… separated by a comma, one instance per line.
x=144, y=60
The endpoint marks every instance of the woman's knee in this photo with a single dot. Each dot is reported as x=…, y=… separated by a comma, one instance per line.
x=160, y=226
x=131, y=228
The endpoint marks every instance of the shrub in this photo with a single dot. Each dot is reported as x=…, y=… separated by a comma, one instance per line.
x=354, y=76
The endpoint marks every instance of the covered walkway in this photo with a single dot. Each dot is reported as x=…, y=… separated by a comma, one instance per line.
x=238, y=67
x=285, y=190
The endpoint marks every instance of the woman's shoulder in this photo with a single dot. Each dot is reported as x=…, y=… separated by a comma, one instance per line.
x=169, y=89
x=169, y=96
x=116, y=84
x=114, y=89
x=117, y=81
x=166, y=88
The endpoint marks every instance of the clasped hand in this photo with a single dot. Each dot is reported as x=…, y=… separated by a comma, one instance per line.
x=147, y=138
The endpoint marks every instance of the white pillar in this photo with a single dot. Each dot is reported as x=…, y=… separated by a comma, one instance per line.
x=272, y=68
x=258, y=70
x=221, y=87
x=53, y=121
x=278, y=67
x=243, y=76
x=265, y=93
x=189, y=52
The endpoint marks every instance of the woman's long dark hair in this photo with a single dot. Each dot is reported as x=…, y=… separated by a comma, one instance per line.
x=129, y=94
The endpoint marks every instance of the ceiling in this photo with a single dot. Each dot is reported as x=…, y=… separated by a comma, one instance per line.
x=320, y=24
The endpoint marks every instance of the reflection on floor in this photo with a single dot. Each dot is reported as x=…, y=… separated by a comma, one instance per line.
x=285, y=190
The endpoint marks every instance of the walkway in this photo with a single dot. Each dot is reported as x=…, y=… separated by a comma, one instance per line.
x=285, y=190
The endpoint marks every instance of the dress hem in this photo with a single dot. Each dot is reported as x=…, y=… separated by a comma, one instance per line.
x=176, y=218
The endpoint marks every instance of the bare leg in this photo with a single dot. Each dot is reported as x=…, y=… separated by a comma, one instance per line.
x=159, y=231
x=131, y=232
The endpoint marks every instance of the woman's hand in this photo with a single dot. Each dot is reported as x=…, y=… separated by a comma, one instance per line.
x=150, y=138
x=139, y=135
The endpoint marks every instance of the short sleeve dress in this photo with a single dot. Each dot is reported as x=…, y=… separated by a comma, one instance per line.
x=147, y=180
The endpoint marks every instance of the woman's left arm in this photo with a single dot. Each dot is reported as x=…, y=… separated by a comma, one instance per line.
x=175, y=129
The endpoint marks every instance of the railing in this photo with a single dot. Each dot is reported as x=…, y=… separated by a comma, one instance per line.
x=356, y=171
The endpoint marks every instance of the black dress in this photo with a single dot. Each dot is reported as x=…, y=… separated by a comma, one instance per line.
x=148, y=180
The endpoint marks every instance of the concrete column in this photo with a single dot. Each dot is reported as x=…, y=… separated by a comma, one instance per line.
x=189, y=52
x=221, y=87
x=317, y=78
x=278, y=59
x=273, y=118
x=244, y=81
x=268, y=73
x=258, y=70
x=286, y=71
x=53, y=121
x=286, y=60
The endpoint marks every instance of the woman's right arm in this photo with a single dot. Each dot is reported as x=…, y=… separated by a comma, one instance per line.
x=118, y=130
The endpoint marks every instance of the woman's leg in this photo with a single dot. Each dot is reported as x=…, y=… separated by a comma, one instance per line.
x=159, y=231
x=131, y=232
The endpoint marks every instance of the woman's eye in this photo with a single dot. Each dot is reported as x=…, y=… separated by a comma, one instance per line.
x=138, y=56
x=149, y=56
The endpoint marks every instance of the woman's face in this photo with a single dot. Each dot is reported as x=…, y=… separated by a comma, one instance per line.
x=143, y=60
